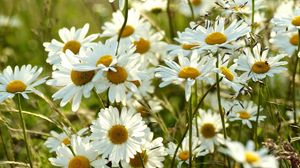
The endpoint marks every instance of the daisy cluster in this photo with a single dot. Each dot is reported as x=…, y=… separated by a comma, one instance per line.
x=130, y=59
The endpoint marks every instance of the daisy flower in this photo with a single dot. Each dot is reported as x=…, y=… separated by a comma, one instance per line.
x=286, y=42
x=209, y=128
x=286, y=17
x=74, y=83
x=257, y=65
x=187, y=71
x=20, y=81
x=249, y=157
x=134, y=27
x=183, y=153
x=218, y=36
x=57, y=139
x=122, y=78
x=118, y=135
x=82, y=155
x=153, y=153
x=240, y=6
x=72, y=39
x=245, y=111
x=154, y=6
x=200, y=7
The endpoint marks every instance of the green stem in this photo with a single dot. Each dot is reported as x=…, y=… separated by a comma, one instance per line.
x=252, y=18
x=142, y=160
x=294, y=80
x=169, y=12
x=190, y=133
x=187, y=128
x=255, y=138
x=24, y=131
x=191, y=8
x=124, y=24
x=99, y=99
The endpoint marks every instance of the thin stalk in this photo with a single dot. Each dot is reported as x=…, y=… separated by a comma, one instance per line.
x=99, y=99
x=169, y=12
x=187, y=128
x=24, y=131
x=124, y=24
x=252, y=18
x=142, y=161
x=294, y=80
x=191, y=9
x=255, y=138
x=190, y=133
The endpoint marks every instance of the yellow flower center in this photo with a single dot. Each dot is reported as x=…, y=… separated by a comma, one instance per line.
x=227, y=73
x=79, y=162
x=244, y=115
x=105, y=60
x=142, y=46
x=118, y=134
x=208, y=130
x=136, y=83
x=296, y=21
x=196, y=2
x=66, y=141
x=184, y=155
x=294, y=40
x=188, y=46
x=80, y=78
x=72, y=45
x=136, y=161
x=127, y=31
x=215, y=38
x=251, y=157
x=260, y=67
x=189, y=72
x=15, y=86
x=118, y=76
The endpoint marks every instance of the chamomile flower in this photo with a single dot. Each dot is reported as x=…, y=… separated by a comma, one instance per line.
x=209, y=128
x=82, y=155
x=154, y=6
x=218, y=36
x=183, y=154
x=72, y=39
x=286, y=18
x=153, y=153
x=121, y=3
x=245, y=111
x=186, y=72
x=240, y=6
x=257, y=65
x=200, y=7
x=118, y=135
x=134, y=27
x=57, y=139
x=286, y=42
x=20, y=81
x=150, y=47
x=74, y=83
x=249, y=157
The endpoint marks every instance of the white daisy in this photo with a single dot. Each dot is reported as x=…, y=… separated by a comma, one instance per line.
x=183, y=153
x=82, y=154
x=245, y=111
x=212, y=37
x=134, y=27
x=118, y=135
x=122, y=77
x=257, y=65
x=153, y=153
x=287, y=17
x=20, y=81
x=209, y=129
x=240, y=6
x=154, y=6
x=72, y=39
x=74, y=83
x=200, y=7
x=286, y=42
x=186, y=72
x=249, y=157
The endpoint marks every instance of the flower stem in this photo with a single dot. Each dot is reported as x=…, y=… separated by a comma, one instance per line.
x=124, y=24
x=252, y=18
x=190, y=133
x=169, y=12
x=255, y=138
x=24, y=131
x=100, y=100
x=191, y=8
x=142, y=160
x=294, y=80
